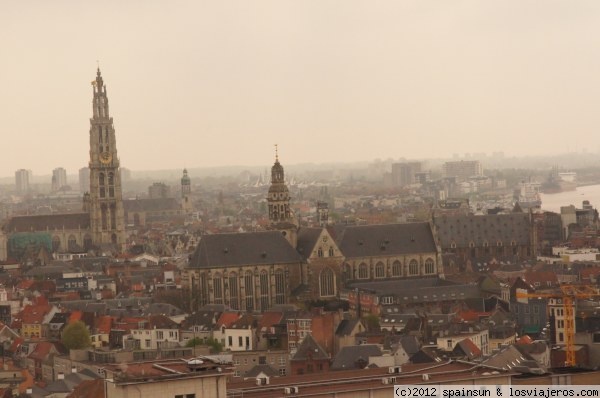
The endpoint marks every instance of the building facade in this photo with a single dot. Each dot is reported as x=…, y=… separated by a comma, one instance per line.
x=22, y=181
x=105, y=196
x=463, y=169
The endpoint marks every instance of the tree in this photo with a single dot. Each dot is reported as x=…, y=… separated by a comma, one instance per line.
x=194, y=342
x=371, y=322
x=76, y=336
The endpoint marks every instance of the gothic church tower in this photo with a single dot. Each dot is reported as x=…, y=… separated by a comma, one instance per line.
x=279, y=196
x=105, y=201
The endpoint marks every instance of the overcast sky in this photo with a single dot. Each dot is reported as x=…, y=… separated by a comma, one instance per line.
x=212, y=83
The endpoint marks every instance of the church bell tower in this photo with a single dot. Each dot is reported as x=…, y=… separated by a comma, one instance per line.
x=105, y=200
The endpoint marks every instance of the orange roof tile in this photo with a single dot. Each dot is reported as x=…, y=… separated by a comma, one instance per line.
x=75, y=316
x=227, y=319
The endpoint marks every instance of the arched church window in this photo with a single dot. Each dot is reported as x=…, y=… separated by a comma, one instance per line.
x=429, y=266
x=55, y=243
x=218, y=288
x=363, y=271
x=249, y=288
x=263, y=280
x=72, y=242
x=87, y=242
x=379, y=270
x=327, y=283
x=413, y=267
x=320, y=252
x=233, y=291
x=331, y=252
x=279, y=287
x=396, y=268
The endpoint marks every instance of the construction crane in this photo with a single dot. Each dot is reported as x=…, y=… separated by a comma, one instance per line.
x=569, y=294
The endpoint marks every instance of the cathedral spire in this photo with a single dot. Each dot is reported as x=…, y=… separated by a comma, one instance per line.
x=105, y=196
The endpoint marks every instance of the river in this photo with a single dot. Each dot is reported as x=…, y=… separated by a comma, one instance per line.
x=553, y=201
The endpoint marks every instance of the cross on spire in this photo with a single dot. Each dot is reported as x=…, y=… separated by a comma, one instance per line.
x=276, y=154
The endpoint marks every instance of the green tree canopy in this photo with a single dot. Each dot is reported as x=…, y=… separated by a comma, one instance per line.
x=76, y=336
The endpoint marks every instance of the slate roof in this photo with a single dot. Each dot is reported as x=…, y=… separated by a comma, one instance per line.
x=467, y=348
x=386, y=240
x=347, y=357
x=307, y=239
x=48, y=222
x=507, y=358
x=309, y=349
x=464, y=229
x=420, y=290
x=238, y=249
x=346, y=327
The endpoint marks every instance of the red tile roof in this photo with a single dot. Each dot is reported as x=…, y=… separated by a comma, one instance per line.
x=103, y=324
x=227, y=319
x=75, y=316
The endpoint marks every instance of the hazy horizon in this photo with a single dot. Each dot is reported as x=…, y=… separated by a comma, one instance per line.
x=213, y=84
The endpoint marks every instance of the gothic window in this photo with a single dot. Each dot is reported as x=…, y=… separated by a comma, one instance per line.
x=320, y=252
x=396, y=267
x=87, y=242
x=279, y=287
x=264, y=290
x=55, y=243
x=72, y=242
x=218, y=289
x=100, y=136
x=101, y=183
x=327, y=282
x=249, y=287
x=413, y=267
x=113, y=216
x=111, y=185
x=203, y=296
x=331, y=252
x=363, y=271
x=379, y=270
x=104, y=215
x=233, y=291
x=136, y=219
x=113, y=238
x=429, y=266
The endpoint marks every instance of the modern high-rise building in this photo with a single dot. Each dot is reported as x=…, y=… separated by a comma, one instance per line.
x=59, y=178
x=463, y=169
x=84, y=179
x=403, y=174
x=105, y=196
x=22, y=180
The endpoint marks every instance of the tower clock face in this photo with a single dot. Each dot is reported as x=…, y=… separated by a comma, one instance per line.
x=105, y=157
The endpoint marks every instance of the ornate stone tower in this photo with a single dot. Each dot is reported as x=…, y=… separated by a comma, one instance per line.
x=186, y=184
x=186, y=191
x=105, y=201
x=279, y=196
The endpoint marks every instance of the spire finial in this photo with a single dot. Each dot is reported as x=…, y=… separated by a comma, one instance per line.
x=276, y=154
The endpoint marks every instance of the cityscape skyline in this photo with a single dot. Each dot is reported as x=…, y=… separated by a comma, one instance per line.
x=206, y=76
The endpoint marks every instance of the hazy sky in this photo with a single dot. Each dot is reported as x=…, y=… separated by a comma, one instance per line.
x=211, y=83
